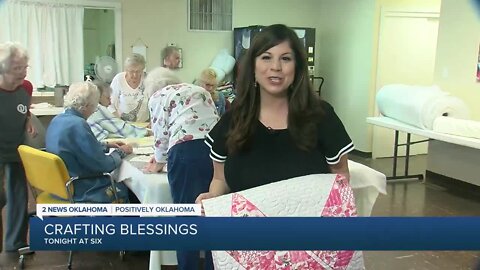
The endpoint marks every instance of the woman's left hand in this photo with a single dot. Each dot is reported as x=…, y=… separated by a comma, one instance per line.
x=31, y=129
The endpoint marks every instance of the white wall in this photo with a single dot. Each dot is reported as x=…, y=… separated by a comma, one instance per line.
x=303, y=13
x=343, y=44
x=158, y=23
x=346, y=44
x=457, y=52
x=345, y=47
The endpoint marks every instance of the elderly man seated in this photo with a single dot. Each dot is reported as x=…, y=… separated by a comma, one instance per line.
x=69, y=136
x=105, y=124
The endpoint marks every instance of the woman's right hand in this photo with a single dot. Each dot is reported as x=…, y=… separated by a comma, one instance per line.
x=204, y=196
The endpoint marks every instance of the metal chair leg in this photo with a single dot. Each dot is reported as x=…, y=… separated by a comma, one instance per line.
x=70, y=254
x=21, y=262
x=23, y=253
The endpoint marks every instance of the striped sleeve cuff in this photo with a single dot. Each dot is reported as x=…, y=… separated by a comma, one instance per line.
x=345, y=150
x=213, y=155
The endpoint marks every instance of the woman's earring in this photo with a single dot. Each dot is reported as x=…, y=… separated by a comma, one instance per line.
x=255, y=84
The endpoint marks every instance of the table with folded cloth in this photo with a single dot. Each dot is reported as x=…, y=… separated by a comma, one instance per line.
x=149, y=188
x=455, y=160
x=458, y=127
x=444, y=120
x=426, y=111
x=419, y=106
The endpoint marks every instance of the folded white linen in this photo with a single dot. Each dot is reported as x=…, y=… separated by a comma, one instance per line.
x=459, y=127
x=448, y=106
x=362, y=176
x=418, y=105
x=367, y=184
x=42, y=105
x=143, y=150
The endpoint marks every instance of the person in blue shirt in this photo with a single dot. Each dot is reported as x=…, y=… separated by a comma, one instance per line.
x=69, y=136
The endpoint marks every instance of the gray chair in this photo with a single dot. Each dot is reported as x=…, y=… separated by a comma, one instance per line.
x=39, y=140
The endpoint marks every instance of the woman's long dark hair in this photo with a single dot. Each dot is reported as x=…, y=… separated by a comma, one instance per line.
x=303, y=106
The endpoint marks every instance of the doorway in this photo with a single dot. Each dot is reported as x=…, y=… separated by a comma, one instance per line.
x=98, y=37
x=406, y=55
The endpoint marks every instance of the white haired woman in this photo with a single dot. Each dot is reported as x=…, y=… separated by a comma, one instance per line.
x=171, y=57
x=70, y=137
x=128, y=99
x=182, y=114
x=15, y=97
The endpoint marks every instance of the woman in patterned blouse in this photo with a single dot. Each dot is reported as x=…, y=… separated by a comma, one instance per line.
x=181, y=115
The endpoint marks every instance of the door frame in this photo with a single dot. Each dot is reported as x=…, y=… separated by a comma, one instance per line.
x=115, y=5
x=385, y=13
x=388, y=12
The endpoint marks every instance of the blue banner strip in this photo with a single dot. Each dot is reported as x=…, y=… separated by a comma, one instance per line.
x=192, y=233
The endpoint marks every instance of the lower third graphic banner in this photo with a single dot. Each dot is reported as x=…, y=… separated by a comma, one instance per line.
x=176, y=233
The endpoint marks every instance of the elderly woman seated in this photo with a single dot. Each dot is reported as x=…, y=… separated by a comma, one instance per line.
x=105, y=124
x=70, y=137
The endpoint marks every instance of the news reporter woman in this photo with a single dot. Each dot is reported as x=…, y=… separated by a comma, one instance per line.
x=277, y=127
x=69, y=136
x=182, y=114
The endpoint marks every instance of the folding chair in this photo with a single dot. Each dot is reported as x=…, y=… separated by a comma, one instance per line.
x=47, y=173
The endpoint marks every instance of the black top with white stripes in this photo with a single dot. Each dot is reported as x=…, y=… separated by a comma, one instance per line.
x=273, y=156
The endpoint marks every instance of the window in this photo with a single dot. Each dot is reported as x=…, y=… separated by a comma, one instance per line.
x=210, y=15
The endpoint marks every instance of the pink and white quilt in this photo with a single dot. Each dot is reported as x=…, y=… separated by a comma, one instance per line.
x=319, y=195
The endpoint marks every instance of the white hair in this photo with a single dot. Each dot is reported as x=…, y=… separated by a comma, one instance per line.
x=158, y=78
x=167, y=51
x=8, y=50
x=135, y=59
x=82, y=94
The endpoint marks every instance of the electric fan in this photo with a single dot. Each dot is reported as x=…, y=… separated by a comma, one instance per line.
x=106, y=68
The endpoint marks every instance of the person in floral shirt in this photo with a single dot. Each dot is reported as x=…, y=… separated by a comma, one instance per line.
x=181, y=116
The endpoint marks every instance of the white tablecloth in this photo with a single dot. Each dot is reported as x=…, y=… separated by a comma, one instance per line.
x=149, y=188
x=42, y=109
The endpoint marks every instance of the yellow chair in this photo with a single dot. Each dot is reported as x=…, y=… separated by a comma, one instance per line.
x=47, y=173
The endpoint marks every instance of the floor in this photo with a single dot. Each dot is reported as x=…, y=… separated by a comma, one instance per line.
x=411, y=198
